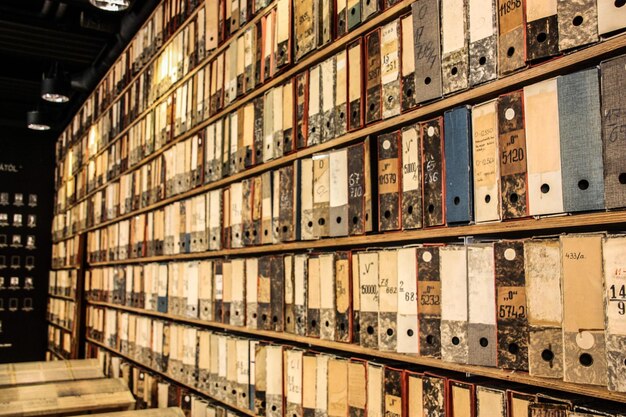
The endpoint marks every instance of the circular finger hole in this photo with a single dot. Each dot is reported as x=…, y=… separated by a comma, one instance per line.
x=547, y=355
x=585, y=359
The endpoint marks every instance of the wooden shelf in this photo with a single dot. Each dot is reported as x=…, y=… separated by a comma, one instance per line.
x=435, y=234
x=61, y=297
x=51, y=323
x=55, y=353
x=66, y=267
x=168, y=377
x=161, y=98
x=573, y=61
x=495, y=373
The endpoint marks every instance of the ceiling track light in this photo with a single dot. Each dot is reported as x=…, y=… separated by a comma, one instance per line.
x=37, y=120
x=55, y=86
x=111, y=5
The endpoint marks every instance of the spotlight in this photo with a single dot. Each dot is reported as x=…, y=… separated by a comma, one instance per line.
x=111, y=5
x=36, y=120
x=55, y=87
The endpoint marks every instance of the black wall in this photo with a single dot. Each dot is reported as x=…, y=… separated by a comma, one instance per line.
x=26, y=167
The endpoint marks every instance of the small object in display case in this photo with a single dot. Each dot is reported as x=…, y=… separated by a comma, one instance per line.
x=31, y=220
x=14, y=283
x=30, y=242
x=4, y=199
x=32, y=200
x=30, y=262
x=4, y=219
x=16, y=241
x=18, y=200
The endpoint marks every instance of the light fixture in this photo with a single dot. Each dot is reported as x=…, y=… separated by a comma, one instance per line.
x=55, y=87
x=37, y=120
x=111, y=5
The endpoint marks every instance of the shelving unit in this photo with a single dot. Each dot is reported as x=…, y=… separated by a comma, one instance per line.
x=351, y=349
x=76, y=333
x=567, y=63
x=518, y=228
x=169, y=378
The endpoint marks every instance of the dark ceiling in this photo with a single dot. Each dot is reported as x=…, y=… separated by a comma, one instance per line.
x=36, y=33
